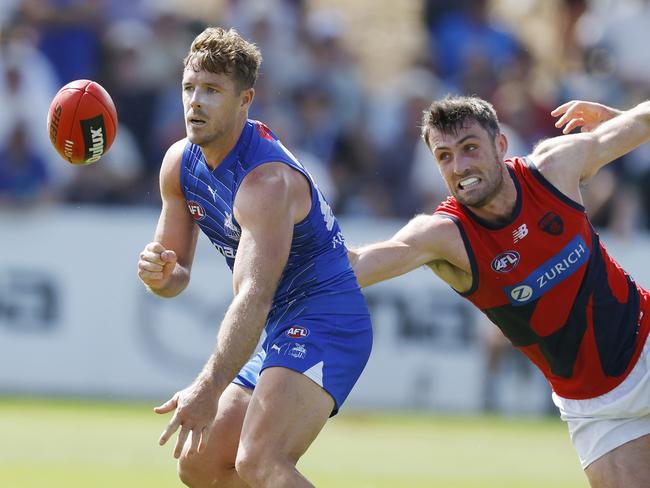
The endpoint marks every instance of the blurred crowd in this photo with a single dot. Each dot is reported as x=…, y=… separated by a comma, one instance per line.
x=359, y=136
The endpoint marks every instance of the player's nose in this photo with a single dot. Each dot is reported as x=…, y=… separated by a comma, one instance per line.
x=461, y=165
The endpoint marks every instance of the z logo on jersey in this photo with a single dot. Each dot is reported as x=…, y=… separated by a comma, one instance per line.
x=550, y=274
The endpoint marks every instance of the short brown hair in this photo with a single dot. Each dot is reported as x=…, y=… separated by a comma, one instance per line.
x=452, y=112
x=224, y=51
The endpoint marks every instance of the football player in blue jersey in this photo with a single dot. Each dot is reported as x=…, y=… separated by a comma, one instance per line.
x=248, y=417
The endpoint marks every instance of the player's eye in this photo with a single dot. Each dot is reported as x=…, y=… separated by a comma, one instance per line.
x=445, y=156
x=470, y=147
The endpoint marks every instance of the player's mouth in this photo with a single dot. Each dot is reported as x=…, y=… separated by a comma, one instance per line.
x=467, y=183
x=196, y=122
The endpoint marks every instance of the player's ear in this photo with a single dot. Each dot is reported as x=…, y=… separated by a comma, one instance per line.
x=247, y=97
x=501, y=143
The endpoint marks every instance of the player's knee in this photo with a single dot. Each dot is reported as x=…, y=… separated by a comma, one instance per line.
x=192, y=474
x=258, y=468
x=200, y=474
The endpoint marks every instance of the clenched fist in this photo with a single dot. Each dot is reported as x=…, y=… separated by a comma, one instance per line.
x=156, y=265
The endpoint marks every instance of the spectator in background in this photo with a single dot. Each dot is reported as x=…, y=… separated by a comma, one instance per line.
x=24, y=177
x=403, y=168
x=69, y=32
x=27, y=85
x=127, y=80
x=170, y=36
x=316, y=129
x=621, y=29
x=277, y=27
x=332, y=63
x=469, y=48
x=614, y=33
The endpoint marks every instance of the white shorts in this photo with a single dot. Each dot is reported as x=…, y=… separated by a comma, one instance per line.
x=601, y=424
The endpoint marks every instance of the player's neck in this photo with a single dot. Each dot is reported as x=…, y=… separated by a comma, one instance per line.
x=215, y=152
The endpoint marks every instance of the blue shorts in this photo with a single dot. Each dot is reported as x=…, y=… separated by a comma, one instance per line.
x=331, y=350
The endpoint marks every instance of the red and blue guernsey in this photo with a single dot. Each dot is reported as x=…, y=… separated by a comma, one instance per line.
x=319, y=323
x=547, y=282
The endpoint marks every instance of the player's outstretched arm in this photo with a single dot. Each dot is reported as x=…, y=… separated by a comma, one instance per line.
x=418, y=243
x=608, y=134
x=165, y=263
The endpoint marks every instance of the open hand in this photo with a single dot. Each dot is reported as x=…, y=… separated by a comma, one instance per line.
x=586, y=115
x=195, y=408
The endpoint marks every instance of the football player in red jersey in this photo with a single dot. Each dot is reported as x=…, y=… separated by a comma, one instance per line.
x=514, y=239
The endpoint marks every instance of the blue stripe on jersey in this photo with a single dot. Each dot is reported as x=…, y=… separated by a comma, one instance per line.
x=317, y=269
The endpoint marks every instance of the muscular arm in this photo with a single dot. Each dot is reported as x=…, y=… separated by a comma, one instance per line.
x=570, y=159
x=269, y=202
x=419, y=242
x=175, y=232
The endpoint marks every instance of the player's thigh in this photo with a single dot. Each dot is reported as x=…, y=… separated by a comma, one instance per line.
x=286, y=412
x=626, y=466
x=221, y=450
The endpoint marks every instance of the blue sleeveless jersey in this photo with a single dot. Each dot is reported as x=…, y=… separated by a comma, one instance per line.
x=317, y=278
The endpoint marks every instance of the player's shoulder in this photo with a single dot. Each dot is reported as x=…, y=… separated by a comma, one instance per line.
x=171, y=164
x=174, y=154
x=263, y=145
x=272, y=178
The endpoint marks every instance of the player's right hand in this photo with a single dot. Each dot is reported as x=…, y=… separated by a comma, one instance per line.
x=156, y=265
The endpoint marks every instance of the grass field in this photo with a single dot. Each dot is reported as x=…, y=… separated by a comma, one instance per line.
x=67, y=444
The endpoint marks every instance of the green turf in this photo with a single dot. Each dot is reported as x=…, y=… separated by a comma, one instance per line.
x=66, y=444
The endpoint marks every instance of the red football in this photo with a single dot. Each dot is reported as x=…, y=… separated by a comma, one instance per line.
x=82, y=121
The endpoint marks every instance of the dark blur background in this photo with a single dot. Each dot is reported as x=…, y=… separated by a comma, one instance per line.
x=343, y=84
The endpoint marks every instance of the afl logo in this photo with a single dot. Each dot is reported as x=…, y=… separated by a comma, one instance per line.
x=505, y=262
x=196, y=209
x=297, y=332
x=521, y=293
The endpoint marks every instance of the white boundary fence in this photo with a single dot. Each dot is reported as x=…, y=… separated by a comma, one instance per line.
x=75, y=320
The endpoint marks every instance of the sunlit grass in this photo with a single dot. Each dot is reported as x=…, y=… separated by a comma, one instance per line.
x=57, y=443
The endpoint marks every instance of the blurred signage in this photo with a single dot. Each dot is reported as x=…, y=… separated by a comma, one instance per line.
x=75, y=319
x=29, y=300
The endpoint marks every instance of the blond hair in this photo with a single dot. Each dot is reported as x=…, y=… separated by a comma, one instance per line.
x=224, y=51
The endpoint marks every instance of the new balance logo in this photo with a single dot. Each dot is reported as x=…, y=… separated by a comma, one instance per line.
x=519, y=233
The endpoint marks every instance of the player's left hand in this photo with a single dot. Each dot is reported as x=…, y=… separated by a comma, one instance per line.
x=195, y=409
x=579, y=113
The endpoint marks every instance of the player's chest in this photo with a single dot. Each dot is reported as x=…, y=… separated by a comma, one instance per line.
x=531, y=256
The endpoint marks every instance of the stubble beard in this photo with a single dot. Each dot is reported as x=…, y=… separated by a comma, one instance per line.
x=493, y=187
